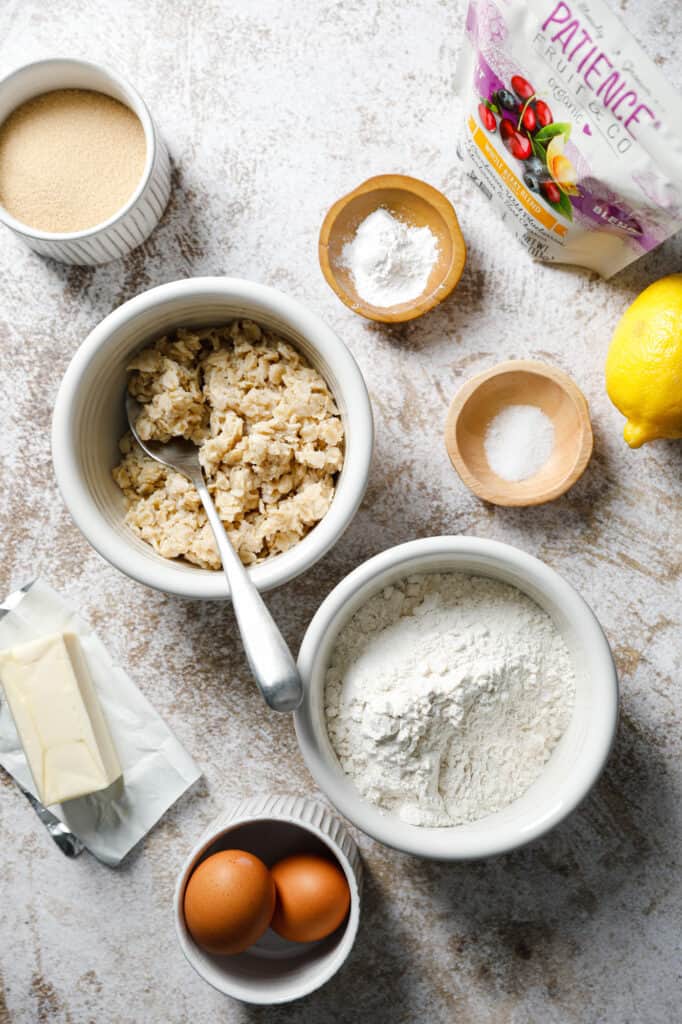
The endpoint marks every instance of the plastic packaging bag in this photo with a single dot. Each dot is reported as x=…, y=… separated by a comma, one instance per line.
x=569, y=131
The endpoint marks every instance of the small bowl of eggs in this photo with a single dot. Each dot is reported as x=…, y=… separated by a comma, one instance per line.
x=267, y=904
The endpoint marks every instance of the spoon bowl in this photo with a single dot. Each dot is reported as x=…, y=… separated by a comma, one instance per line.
x=178, y=453
x=413, y=202
x=519, y=382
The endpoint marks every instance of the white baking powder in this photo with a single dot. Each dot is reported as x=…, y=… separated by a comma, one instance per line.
x=446, y=695
x=518, y=442
x=389, y=261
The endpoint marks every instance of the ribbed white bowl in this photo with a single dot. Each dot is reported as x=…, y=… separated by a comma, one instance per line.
x=272, y=827
x=89, y=420
x=578, y=758
x=131, y=225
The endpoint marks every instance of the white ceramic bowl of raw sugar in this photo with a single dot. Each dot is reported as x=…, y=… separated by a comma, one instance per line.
x=89, y=420
x=575, y=763
x=135, y=221
x=274, y=970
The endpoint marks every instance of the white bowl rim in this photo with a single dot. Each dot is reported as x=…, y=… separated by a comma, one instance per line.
x=272, y=572
x=142, y=112
x=345, y=945
x=450, y=843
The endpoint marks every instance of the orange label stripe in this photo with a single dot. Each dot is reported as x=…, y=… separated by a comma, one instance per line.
x=534, y=208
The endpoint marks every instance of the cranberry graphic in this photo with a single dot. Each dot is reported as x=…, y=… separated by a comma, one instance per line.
x=519, y=146
x=543, y=113
x=529, y=120
x=487, y=117
x=523, y=89
x=550, y=191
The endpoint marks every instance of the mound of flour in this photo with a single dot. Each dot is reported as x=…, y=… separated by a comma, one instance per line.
x=446, y=695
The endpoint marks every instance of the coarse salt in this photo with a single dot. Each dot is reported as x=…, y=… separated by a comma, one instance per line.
x=518, y=442
x=389, y=261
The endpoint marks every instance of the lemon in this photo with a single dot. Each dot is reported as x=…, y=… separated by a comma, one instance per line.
x=644, y=363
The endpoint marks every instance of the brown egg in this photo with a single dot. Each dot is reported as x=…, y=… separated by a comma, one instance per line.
x=229, y=901
x=312, y=897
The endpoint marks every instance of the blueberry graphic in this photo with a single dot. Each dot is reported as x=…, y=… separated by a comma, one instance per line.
x=532, y=181
x=536, y=167
x=507, y=100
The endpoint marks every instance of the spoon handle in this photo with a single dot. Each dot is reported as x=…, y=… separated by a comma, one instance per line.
x=269, y=657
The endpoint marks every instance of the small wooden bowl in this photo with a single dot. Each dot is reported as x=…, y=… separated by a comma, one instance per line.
x=519, y=382
x=413, y=202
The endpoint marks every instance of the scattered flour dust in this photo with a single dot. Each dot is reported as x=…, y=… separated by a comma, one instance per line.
x=445, y=696
x=389, y=261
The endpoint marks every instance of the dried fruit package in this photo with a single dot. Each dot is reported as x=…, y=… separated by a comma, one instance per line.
x=570, y=130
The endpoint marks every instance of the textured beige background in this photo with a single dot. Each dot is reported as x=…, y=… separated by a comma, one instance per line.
x=272, y=110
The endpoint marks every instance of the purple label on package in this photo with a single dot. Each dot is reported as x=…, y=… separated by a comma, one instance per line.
x=566, y=126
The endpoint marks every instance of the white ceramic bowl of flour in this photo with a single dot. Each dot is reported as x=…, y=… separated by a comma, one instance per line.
x=576, y=760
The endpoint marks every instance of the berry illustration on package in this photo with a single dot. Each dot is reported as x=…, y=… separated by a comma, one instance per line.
x=528, y=131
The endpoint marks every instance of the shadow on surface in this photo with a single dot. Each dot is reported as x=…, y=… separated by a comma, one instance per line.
x=174, y=249
x=444, y=321
x=512, y=922
x=528, y=914
x=380, y=959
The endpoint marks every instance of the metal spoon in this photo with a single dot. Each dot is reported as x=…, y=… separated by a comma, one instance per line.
x=268, y=655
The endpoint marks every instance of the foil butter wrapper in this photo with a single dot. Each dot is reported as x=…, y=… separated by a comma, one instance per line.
x=157, y=770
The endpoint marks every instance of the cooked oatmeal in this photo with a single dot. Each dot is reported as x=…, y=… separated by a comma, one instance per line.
x=269, y=434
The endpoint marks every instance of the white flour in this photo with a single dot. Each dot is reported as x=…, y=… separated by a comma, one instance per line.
x=445, y=696
x=390, y=261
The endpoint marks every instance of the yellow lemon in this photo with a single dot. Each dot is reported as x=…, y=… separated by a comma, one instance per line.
x=644, y=363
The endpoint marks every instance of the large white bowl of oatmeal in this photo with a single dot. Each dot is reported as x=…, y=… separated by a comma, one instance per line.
x=275, y=403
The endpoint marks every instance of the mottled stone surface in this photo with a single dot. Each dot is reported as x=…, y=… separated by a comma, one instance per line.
x=271, y=111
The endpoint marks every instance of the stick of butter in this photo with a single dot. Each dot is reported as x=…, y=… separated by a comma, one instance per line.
x=59, y=718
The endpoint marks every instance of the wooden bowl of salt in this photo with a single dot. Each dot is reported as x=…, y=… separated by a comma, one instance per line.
x=519, y=433
x=410, y=202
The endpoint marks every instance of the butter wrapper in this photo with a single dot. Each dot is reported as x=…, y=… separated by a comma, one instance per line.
x=156, y=769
